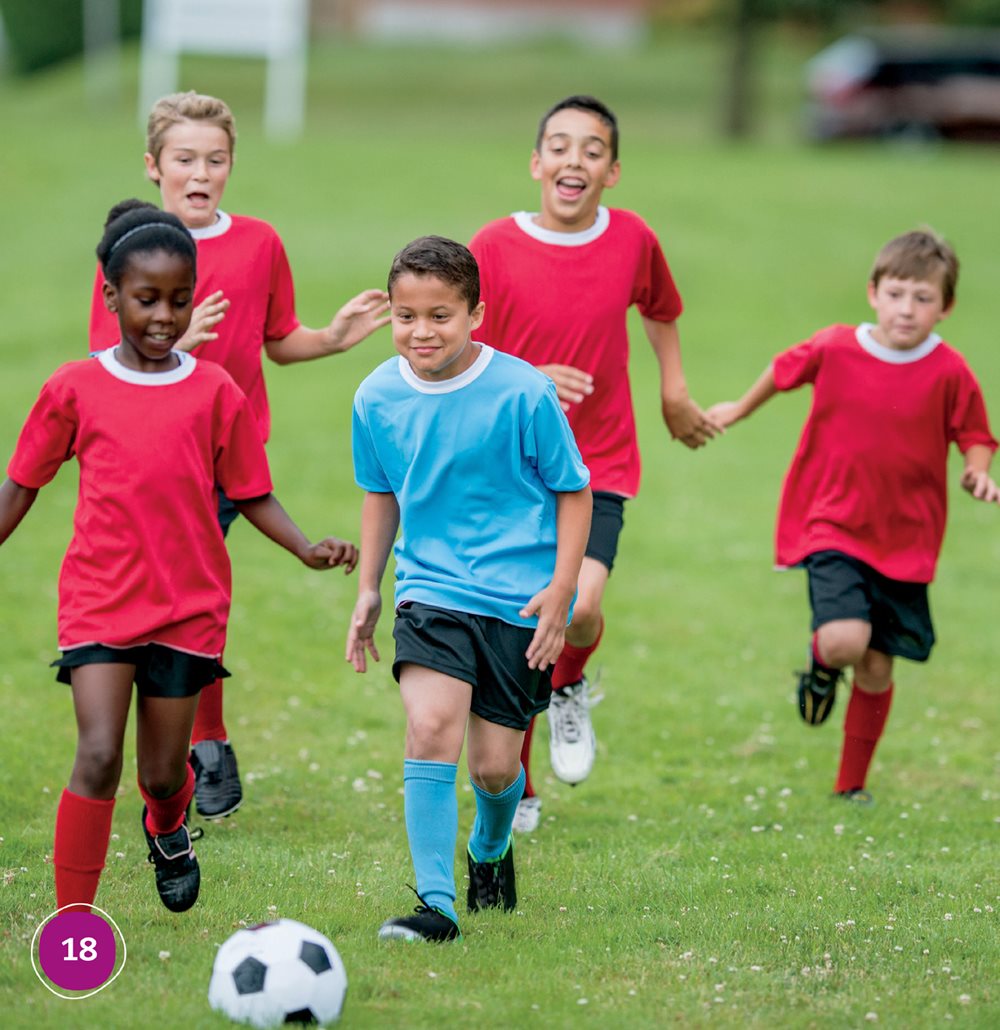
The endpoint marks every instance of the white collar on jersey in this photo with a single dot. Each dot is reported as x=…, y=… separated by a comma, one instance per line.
x=109, y=359
x=219, y=227
x=472, y=373
x=863, y=333
x=526, y=223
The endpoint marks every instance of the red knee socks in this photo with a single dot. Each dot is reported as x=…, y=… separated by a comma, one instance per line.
x=208, y=724
x=164, y=815
x=569, y=666
x=529, y=790
x=863, y=727
x=83, y=829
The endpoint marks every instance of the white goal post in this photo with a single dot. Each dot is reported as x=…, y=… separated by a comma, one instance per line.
x=276, y=30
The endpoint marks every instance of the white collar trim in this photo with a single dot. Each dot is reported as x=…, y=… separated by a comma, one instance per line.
x=472, y=373
x=109, y=359
x=526, y=223
x=222, y=224
x=864, y=336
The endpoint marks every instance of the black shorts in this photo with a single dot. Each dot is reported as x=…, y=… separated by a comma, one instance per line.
x=160, y=671
x=487, y=653
x=842, y=587
x=605, y=528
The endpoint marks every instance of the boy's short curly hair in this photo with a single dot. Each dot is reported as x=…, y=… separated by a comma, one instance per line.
x=582, y=102
x=919, y=254
x=442, y=258
x=187, y=107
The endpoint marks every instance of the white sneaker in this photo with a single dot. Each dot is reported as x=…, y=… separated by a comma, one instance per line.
x=572, y=743
x=529, y=811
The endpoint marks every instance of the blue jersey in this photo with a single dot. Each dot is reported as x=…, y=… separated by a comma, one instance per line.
x=475, y=463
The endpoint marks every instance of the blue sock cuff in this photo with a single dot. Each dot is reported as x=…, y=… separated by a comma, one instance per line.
x=437, y=772
x=516, y=789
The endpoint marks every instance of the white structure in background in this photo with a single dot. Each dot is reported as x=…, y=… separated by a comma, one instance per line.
x=276, y=30
x=612, y=23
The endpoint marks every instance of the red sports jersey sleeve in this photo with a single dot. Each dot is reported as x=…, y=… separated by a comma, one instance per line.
x=869, y=475
x=563, y=298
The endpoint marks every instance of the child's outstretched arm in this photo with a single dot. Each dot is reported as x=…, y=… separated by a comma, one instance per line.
x=551, y=604
x=15, y=500
x=267, y=515
x=354, y=322
x=685, y=420
x=725, y=413
x=976, y=475
x=379, y=524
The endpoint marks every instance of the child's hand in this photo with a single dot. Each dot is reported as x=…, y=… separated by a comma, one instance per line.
x=208, y=314
x=552, y=608
x=688, y=423
x=979, y=484
x=725, y=413
x=330, y=552
x=572, y=384
x=358, y=319
x=361, y=635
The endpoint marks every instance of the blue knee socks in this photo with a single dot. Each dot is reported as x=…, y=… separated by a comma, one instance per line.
x=494, y=818
x=431, y=809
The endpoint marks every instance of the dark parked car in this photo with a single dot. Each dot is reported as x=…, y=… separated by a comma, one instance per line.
x=925, y=82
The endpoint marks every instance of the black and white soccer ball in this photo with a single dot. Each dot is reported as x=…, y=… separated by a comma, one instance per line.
x=281, y=972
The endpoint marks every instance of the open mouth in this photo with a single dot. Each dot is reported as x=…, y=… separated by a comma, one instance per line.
x=570, y=187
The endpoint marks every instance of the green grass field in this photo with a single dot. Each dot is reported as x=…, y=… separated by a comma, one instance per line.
x=703, y=875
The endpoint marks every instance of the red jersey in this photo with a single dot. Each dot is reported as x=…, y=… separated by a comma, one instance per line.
x=869, y=475
x=562, y=298
x=244, y=258
x=147, y=562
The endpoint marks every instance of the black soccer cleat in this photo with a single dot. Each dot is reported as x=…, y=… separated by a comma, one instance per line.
x=426, y=924
x=492, y=884
x=817, y=691
x=177, y=874
x=217, y=788
x=855, y=796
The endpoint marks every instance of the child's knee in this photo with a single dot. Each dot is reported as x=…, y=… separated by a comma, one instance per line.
x=873, y=673
x=496, y=775
x=98, y=767
x=843, y=642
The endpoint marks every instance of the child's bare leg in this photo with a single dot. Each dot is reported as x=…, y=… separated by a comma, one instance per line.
x=842, y=642
x=588, y=620
x=101, y=697
x=437, y=710
x=498, y=781
x=166, y=780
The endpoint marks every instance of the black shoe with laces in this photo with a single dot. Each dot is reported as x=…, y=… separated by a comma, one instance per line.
x=426, y=924
x=817, y=691
x=217, y=788
x=177, y=874
x=491, y=884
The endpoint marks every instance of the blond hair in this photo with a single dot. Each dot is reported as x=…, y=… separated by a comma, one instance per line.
x=920, y=254
x=187, y=107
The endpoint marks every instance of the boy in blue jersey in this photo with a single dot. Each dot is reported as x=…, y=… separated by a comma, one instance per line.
x=467, y=451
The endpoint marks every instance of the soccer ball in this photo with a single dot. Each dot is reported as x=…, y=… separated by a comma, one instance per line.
x=281, y=972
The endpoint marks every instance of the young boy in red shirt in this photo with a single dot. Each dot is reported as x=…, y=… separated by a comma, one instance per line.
x=558, y=285
x=864, y=502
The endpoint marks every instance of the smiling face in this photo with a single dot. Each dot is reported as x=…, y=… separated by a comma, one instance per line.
x=191, y=170
x=432, y=326
x=153, y=303
x=906, y=310
x=574, y=165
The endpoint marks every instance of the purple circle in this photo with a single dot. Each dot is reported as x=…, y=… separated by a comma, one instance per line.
x=76, y=950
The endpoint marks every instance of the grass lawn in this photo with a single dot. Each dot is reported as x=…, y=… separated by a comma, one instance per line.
x=703, y=875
